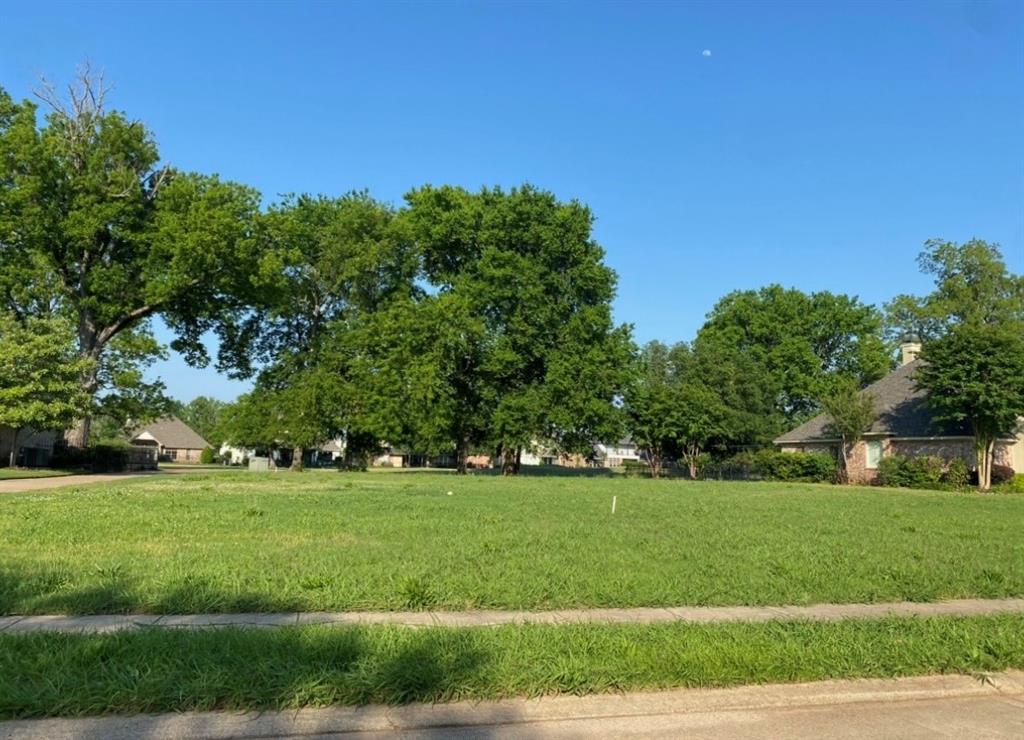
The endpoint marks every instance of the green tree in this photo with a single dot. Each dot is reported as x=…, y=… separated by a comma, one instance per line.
x=88, y=211
x=547, y=360
x=39, y=373
x=975, y=374
x=204, y=414
x=326, y=264
x=852, y=413
x=972, y=286
x=673, y=409
x=419, y=377
x=780, y=350
x=652, y=405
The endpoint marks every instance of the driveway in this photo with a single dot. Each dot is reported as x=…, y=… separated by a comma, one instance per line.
x=16, y=485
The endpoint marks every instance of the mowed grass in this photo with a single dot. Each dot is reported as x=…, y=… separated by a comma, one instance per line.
x=20, y=473
x=230, y=542
x=292, y=667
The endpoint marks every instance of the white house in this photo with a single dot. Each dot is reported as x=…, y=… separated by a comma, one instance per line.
x=614, y=455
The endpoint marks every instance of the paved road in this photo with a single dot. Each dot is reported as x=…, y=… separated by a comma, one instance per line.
x=922, y=707
x=646, y=615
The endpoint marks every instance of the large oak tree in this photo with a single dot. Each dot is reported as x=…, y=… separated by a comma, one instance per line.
x=93, y=224
x=521, y=300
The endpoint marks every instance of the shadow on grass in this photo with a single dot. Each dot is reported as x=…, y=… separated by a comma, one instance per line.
x=51, y=591
x=232, y=669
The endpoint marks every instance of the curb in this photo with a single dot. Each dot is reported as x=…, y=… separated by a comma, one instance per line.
x=519, y=717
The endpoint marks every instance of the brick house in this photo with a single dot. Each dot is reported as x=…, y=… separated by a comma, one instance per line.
x=175, y=440
x=905, y=425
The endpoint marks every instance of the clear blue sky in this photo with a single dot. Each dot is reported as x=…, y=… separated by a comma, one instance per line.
x=817, y=146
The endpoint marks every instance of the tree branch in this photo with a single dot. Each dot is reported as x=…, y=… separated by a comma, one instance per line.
x=111, y=330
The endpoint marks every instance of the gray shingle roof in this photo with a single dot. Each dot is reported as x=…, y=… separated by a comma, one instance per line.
x=172, y=432
x=902, y=412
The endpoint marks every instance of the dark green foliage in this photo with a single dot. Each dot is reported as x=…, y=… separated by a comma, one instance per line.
x=975, y=374
x=851, y=412
x=207, y=456
x=923, y=471
x=776, y=351
x=108, y=457
x=514, y=342
x=39, y=377
x=972, y=286
x=808, y=467
x=91, y=223
x=674, y=409
x=812, y=467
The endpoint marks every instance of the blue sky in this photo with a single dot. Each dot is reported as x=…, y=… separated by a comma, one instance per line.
x=817, y=146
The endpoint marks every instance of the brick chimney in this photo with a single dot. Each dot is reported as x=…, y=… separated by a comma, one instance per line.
x=910, y=348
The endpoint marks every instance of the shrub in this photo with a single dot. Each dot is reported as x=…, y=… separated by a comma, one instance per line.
x=635, y=469
x=206, y=456
x=814, y=467
x=99, y=458
x=899, y=471
x=1002, y=474
x=957, y=474
x=1014, y=485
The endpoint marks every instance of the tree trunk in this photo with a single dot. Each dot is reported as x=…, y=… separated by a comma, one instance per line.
x=508, y=460
x=692, y=452
x=986, y=450
x=296, y=458
x=655, y=462
x=844, y=460
x=90, y=348
x=461, y=453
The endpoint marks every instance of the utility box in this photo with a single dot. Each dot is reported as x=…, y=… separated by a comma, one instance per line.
x=259, y=464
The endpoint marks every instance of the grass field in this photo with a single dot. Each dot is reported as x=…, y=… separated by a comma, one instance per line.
x=291, y=667
x=328, y=541
x=18, y=473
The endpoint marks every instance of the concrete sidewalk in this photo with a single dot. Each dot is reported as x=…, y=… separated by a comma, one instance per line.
x=922, y=707
x=645, y=615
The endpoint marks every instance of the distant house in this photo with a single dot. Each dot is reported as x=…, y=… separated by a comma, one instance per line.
x=175, y=440
x=905, y=425
x=235, y=455
x=614, y=455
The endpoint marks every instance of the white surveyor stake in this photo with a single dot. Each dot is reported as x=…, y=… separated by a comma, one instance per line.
x=613, y=503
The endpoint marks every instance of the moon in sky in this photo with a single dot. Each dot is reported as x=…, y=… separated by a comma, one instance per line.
x=706, y=53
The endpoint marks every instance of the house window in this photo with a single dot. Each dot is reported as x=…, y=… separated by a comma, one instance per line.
x=874, y=453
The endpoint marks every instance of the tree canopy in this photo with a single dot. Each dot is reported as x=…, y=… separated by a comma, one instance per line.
x=975, y=374
x=781, y=350
x=39, y=377
x=94, y=227
x=530, y=351
x=972, y=286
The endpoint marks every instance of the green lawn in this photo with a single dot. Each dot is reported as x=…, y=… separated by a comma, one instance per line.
x=16, y=473
x=291, y=667
x=330, y=541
